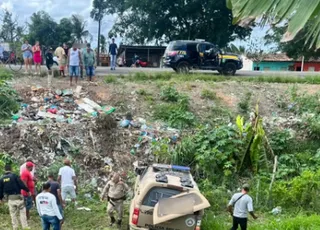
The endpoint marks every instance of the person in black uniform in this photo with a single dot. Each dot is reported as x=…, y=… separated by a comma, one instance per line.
x=10, y=188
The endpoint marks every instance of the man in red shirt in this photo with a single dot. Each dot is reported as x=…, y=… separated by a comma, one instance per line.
x=27, y=178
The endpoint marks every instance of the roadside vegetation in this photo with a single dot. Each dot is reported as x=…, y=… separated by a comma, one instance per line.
x=225, y=145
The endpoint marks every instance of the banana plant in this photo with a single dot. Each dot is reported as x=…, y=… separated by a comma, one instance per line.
x=297, y=13
x=254, y=135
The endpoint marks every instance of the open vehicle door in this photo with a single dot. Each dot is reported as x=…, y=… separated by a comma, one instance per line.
x=177, y=206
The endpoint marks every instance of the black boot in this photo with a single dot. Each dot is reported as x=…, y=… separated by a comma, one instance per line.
x=113, y=220
x=119, y=223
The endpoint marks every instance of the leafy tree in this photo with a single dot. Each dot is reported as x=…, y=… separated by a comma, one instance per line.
x=234, y=49
x=295, y=48
x=42, y=28
x=10, y=30
x=64, y=31
x=103, y=45
x=79, y=31
x=297, y=13
x=99, y=10
x=162, y=21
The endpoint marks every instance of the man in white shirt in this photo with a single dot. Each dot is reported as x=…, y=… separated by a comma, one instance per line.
x=239, y=206
x=68, y=181
x=48, y=209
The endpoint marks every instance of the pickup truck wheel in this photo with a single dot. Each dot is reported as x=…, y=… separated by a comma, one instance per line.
x=229, y=69
x=183, y=67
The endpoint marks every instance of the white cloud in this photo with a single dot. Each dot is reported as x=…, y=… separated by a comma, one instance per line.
x=58, y=9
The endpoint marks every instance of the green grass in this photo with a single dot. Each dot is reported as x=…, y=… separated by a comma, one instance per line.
x=110, y=79
x=167, y=76
x=96, y=219
x=264, y=222
x=208, y=94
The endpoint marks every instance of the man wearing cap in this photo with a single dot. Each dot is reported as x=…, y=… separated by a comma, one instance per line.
x=27, y=178
x=239, y=206
x=23, y=167
x=68, y=180
x=10, y=188
x=116, y=191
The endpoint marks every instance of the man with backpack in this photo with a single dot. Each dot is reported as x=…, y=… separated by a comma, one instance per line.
x=239, y=206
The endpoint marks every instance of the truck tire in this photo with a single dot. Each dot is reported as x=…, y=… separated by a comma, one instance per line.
x=183, y=67
x=229, y=69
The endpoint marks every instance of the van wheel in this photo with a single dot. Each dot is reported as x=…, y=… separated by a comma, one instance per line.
x=183, y=67
x=229, y=69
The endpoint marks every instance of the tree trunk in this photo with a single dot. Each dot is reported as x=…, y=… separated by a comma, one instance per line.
x=98, y=50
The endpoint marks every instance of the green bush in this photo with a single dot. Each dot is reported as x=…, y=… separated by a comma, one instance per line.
x=8, y=100
x=208, y=94
x=175, y=115
x=110, y=79
x=300, y=192
x=169, y=94
x=244, y=103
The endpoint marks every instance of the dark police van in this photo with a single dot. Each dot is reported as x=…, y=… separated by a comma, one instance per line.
x=183, y=56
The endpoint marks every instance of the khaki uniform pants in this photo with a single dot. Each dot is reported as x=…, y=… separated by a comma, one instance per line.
x=16, y=206
x=118, y=207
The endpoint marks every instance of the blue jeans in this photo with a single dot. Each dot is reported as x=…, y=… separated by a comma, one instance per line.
x=47, y=221
x=113, y=61
x=90, y=71
x=74, y=71
x=28, y=202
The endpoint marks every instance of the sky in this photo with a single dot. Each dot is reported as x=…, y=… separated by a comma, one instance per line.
x=58, y=9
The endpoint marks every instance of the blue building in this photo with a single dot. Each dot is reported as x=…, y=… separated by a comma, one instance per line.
x=274, y=62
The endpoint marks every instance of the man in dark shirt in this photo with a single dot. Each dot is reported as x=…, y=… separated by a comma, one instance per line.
x=10, y=187
x=56, y=191
x=113, y=54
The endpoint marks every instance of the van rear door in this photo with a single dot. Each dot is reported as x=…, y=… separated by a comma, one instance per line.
x=181, y=207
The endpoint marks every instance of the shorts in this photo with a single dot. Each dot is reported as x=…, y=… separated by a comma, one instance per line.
x=28, y=202
x=90, y=71
x=27, y=55
x=74, y=71
x=68, y=190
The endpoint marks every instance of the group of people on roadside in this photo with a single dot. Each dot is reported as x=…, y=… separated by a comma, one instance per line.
x=20, y=193
x=74, y=59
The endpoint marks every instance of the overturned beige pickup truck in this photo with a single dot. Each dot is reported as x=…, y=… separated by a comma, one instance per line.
x=166, y=197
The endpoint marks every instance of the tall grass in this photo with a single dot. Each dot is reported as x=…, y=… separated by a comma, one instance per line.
x=167, y=76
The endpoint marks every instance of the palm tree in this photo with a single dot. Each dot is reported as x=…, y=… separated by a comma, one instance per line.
x=79, y=31
x=234, y=49
x=97, y=13
x=296, y=12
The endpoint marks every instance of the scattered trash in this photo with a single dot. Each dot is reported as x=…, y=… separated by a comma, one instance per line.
x=67, y=92
x=276, y=211
x=84, y=208
x=125, y=123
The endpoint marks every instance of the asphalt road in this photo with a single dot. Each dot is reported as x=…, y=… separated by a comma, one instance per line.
x=125, y=71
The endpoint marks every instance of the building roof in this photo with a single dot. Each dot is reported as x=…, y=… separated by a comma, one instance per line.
x=282, y=57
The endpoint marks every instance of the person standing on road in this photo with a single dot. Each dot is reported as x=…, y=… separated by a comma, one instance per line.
x=116, y=191
x=68, y=180
x=239, y=206
x=113, y=54
x=26, y=49
x=60, y=53
x=48, y=209
x=37, y=57
x=89, y=61
x=27, y=178
x=74, y=63
x=10, y=188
